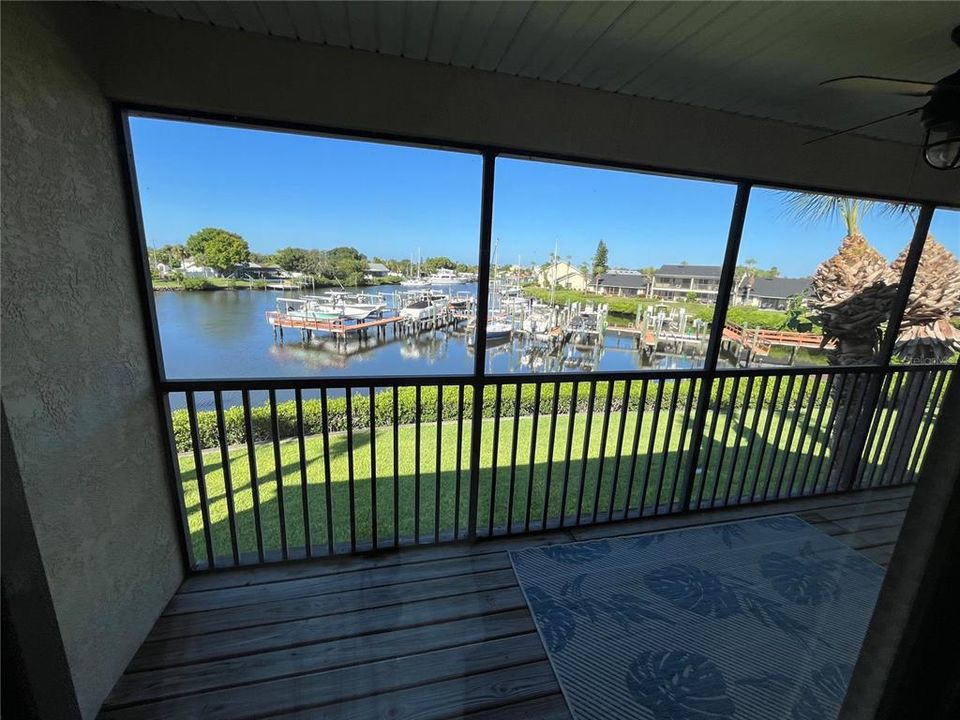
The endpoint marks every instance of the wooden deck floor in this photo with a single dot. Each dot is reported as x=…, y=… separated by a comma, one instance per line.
x=434, y=632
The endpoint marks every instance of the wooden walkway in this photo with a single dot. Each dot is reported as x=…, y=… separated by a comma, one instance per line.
x=430, y=632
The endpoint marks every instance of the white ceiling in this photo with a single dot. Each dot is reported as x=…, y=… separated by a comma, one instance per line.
x=763, y=59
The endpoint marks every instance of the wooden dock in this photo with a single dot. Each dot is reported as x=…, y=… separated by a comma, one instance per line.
x=341, y=328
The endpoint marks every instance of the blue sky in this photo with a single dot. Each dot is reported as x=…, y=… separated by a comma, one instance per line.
x=279, y=189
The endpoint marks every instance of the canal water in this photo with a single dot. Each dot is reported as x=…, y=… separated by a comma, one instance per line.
x=224, y=334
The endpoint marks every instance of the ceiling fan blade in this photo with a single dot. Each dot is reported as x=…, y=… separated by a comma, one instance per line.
x=889, y=86
x=911, y=111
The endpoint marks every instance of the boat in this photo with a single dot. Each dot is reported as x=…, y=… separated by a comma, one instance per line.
x=499, y=330
x=463, y=301
x=444, y=276
x=416, y=282
x=423, y=306
x=348, y=306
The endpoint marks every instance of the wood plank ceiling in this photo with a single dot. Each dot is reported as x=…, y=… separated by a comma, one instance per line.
x=761, y=59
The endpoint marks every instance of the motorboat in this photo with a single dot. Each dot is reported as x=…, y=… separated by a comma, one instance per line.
x=444, y=276
x=423, y=306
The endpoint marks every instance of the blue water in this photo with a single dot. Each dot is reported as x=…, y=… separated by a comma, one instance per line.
x=224, y=334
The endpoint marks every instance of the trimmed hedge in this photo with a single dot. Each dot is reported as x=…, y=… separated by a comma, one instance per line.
x=235, y=430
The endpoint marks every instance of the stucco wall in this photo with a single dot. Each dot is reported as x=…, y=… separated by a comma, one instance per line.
x=191, y=66
x=76, y=378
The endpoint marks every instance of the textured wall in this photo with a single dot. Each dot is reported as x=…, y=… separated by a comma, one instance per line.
x=76, y=379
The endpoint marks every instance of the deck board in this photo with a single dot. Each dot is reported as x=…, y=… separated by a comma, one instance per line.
x=432, y=632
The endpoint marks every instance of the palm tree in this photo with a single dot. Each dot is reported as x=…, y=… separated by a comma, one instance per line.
x=926, y=335
x=853, y=293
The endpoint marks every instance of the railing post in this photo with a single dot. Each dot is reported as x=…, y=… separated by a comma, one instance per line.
x=480, y=341
x=716, y=336
x=847, y=472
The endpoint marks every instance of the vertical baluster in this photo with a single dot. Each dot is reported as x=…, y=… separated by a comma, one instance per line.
x=396, y=467
x=457, y=492
x=513, y=457
x=901, y=439
x=761, y=397
x=569, y=449
x=788, y=450
x=683, y=458
x=771, y=411
x=811, y=403
x=637, y=431
x=624, y=409
x=278, y=473
x=585, y=455
x=873, y=451
x=533, y=456
x=351, y=486
x=709, y=440
x=860, y=380
x=747, y=395
x=227, y=477
x=495, y=460
x=828, y=430
x=775, y=452
x=666, y=448
x=416, y=467
x=374, y=510
x=551, y=441
x=650, y=446
x=815, y=440
x=254, y=480
x=603, y=450
x=327, y=479
x=930, y=408
x=724, y=435
x=304, y=491
x=201, y=479
x=439, y=460
x=845, y=438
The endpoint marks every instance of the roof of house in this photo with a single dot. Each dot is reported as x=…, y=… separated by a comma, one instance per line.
x=377, y=267
x=779, y=287
x=707, y=271
x=623, y=279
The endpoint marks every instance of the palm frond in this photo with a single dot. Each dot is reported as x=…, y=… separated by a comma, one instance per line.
x=816, y=208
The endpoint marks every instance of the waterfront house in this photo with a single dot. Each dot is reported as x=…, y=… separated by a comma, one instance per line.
x=773, y=293
x=686, y=282
x=622, y=282
x=256, y=271
x=562, y=275
x=193, y=268
x=691, y=538
x=376, y=270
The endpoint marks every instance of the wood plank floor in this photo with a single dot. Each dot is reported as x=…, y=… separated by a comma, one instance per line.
x=430, y=632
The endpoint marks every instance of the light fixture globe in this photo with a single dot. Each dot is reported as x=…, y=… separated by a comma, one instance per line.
x=941, y=118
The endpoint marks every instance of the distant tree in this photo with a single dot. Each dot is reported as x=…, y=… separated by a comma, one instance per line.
x=600, y=259
x=295, y=259
x=218, y=248
x=584, y=269
x=683, y=263
x=691, y=296
x=649, y=273
x=261, y=258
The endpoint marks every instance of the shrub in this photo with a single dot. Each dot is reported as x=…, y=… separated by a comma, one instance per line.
x=407, y=413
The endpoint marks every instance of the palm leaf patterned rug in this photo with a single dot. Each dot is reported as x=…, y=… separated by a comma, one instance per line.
x=738, y=621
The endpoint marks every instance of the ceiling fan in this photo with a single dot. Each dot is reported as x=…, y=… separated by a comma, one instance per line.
x=940, y=116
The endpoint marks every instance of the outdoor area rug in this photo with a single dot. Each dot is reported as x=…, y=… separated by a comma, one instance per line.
x=748, y=620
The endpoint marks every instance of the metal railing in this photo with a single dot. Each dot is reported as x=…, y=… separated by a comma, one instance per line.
x=276, y=470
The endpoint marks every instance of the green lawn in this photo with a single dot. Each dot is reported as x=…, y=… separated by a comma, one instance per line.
x=662, y=459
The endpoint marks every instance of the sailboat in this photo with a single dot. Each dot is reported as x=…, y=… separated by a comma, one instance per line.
x=417, y=282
